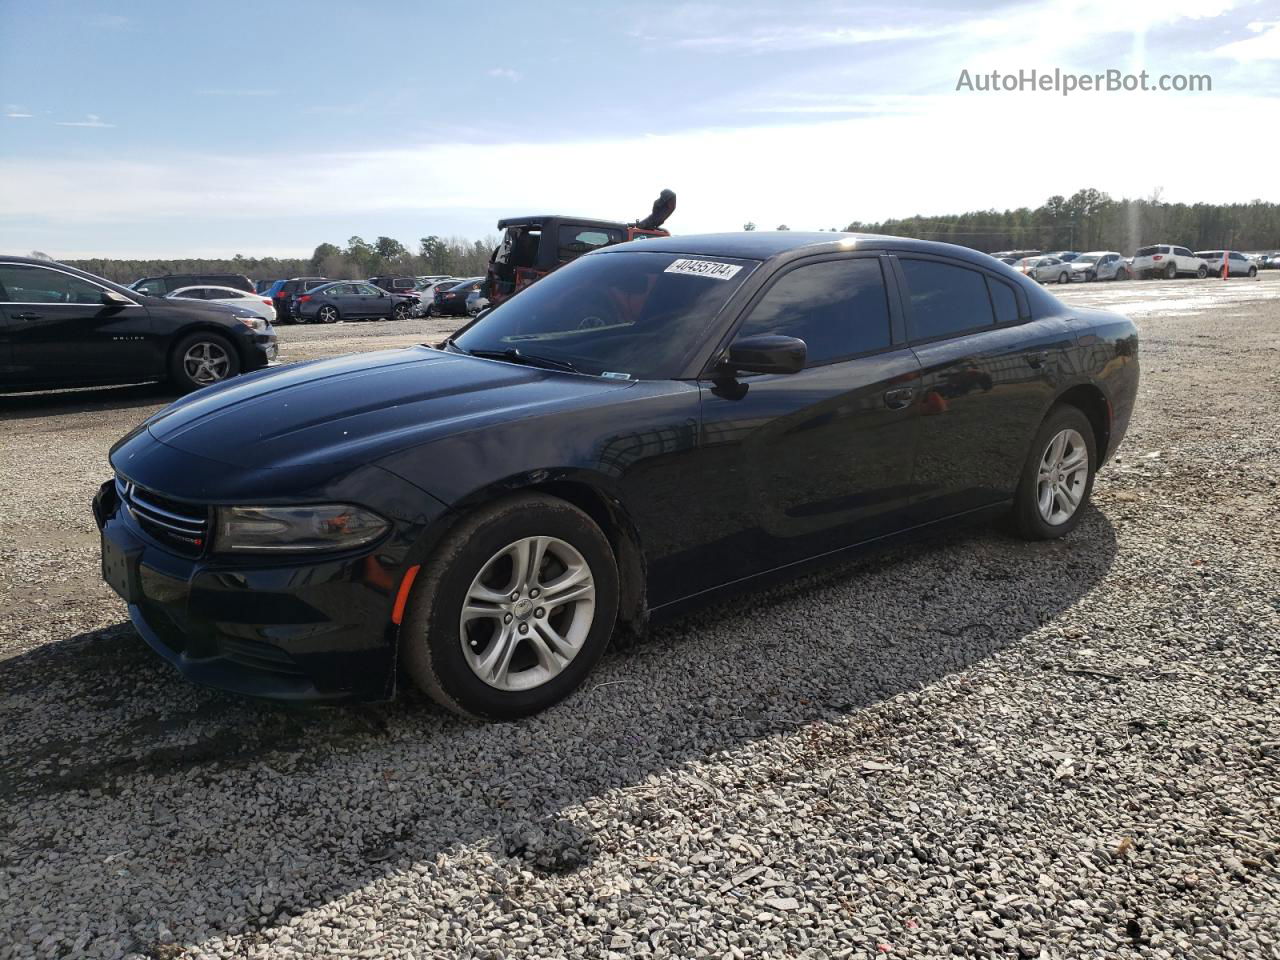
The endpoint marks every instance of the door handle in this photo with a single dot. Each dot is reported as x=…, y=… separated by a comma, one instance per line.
x=1038, y=360
x=899, y=397
x=27, y=316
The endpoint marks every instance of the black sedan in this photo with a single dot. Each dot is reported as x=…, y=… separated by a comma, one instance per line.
x=650, y=425
x=450, y=300
x=62, y=327
x=351, y=300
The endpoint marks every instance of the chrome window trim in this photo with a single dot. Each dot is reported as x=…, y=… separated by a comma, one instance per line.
x=65, y=273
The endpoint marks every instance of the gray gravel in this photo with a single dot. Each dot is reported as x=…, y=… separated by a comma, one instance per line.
x=974, y=746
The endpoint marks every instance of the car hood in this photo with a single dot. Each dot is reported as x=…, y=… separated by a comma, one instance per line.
x=359, y=408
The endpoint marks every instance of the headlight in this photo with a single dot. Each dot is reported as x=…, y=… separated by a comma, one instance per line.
x=333, y=526
x=257, y=324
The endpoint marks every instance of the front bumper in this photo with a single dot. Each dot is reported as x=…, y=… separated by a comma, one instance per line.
x=293, y=630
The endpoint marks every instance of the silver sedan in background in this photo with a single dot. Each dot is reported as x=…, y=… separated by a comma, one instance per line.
x=1045, y=269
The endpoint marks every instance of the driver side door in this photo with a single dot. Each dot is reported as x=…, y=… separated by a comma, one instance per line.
x=57, y=330
x=811, y=462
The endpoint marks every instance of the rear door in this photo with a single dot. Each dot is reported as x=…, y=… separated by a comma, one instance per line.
x=989, y=372
x=814, y=461
x=56, y=329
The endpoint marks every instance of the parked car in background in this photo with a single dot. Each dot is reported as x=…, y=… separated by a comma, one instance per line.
x=1238, y=265
x=1167, y=261
x=350, y=300
x=254, y=303
x=1045, y=269
x=283, y=292
x=476, y=302
x=450, y=300
x=62, y=327
x=404, y=287
x=422, y=283
x=1099, y=265
x=478, y=520
x=262, y=286
x=1066, y=256
x=163, y=286
x=1271, y=261
x=427, y=293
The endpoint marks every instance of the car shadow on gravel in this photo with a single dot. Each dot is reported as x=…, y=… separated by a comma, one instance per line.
x=223, y=816
x=58, y=403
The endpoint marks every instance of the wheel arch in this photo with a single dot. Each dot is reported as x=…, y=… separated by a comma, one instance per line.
x=204, y=326
x=593, y=495
x=1089, y=399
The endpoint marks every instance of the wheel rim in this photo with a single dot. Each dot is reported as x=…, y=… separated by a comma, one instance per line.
x=401, y=311
x=527, y=613
x=328, y=315
x=1064, y=471
x=206, y=362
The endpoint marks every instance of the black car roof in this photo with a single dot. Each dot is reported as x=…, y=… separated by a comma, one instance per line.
x=766, y=244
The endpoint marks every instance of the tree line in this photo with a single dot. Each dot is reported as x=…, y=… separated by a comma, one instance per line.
x=1087, y=220
x=1091, y=220
x=357, y=260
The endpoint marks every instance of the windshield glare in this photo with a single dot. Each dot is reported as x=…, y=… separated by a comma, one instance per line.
x=625, y=313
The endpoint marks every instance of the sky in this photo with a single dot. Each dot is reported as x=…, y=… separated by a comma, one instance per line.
x=132, y=128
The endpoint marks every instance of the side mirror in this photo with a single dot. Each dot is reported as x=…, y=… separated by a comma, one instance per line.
x=112, y=299
x=766, y=353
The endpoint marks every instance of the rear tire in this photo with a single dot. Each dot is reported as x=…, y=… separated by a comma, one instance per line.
x=328, y=314
x=202, y=359
x=1056, y=482
x=460, y=613
x=1170, y=272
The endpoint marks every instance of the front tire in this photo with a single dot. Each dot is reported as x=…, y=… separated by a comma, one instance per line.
x=1202, y=272
x=1253, y=272
x=513, y=609
x=1064, y=277
x=1057, y=478
x=1121, y=274
x=400, y=312
x=202, y=359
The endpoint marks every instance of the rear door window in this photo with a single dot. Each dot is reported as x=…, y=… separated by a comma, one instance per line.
x=945, y=299
x=1003, y=300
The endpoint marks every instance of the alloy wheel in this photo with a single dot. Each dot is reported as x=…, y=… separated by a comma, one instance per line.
x=206, y=362
x=327, y=315
x=1063, y=475
x=527, y=613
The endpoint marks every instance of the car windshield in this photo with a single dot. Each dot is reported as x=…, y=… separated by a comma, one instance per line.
x=628, y=314
x=1086, y=258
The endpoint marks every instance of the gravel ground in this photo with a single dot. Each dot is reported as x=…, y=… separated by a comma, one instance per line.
x=973, y=746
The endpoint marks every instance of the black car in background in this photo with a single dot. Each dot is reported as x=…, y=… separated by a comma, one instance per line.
x=163, y=286
x=649, y=425
x=284, y=293
x=62, y=327
x=450, y=300
x=351, y=300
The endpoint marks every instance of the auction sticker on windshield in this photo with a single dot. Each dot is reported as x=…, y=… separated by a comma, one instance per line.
x=704, y=268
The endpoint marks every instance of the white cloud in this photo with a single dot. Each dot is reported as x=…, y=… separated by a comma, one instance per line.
x=235, y=92
x=90, y=120
x=814, y=175
x=17, y=115
x=504, y=73
x=1264, y=45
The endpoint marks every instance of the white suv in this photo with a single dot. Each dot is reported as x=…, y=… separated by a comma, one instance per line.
x=1240, y=265
x=1163, y=260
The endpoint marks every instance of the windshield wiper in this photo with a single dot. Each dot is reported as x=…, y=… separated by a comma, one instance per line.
x=513, y=355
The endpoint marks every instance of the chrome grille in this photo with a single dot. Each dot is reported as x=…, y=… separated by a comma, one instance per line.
x=175, y=523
